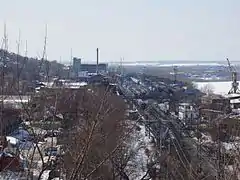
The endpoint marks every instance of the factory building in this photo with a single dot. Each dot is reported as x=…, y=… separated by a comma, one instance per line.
x=76, y=65
x=81, y=70
x=92, y=68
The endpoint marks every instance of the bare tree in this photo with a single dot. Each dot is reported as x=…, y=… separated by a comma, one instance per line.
x=208, y=89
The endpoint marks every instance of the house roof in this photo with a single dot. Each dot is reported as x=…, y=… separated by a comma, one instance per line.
x=12, y=140
x=235, y=101
x=234, y=95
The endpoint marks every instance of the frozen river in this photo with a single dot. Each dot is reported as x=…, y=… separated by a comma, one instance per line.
x=217, y=87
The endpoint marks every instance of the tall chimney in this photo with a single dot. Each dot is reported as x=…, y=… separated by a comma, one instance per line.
x=97, y=62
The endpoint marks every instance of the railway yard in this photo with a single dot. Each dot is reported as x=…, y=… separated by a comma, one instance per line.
x=192, y=137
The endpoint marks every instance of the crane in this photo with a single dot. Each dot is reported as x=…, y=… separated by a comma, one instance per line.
x=234, y=88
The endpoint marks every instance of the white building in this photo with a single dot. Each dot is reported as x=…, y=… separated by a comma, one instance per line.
x=234, y=100
x=164, y=106
x=187, y=112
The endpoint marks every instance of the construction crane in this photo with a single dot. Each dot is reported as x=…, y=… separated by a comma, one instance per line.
x=234, y=89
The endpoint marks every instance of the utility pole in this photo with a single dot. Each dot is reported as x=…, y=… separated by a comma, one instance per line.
x=220, y=166
x=159, y=136
x=199, y=146
x=3, y=64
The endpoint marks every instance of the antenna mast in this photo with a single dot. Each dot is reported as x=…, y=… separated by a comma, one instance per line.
x=43, y=53
x=5, y=38
x=44, y=59
x=45, y=44
x=18, y=54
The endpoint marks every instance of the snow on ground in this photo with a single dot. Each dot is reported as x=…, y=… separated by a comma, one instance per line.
x=9, y=175
x=141, y=142
x=45, y=175
x=232, y=146
x=221, y=88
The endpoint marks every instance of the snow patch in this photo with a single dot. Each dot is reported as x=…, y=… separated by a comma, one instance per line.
x=140, y=145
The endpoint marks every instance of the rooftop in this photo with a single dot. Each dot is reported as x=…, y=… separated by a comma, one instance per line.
x=235, y=95
x=235, y=101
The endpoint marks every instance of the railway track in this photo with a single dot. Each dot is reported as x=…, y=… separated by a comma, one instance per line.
x=155, y=119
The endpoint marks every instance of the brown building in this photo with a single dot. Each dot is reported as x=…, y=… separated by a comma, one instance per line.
x=213, y=106
x=216, y=102
x=228, y=128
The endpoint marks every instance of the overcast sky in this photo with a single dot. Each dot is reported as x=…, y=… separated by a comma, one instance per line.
x=139, y=30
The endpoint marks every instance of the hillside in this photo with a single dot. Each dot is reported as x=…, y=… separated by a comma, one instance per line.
x=25, y=70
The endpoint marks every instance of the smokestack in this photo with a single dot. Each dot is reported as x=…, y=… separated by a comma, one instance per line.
x=97, y=62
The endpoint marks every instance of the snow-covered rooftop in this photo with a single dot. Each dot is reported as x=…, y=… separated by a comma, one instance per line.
x=12, y=140
x=235, y=101
x=234, y=95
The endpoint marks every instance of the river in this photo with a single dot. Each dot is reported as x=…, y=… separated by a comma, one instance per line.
x=217, y=87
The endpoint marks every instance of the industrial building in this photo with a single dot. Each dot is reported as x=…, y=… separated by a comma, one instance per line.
x=92, y=68
x=76, y=65
x=81, y=70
